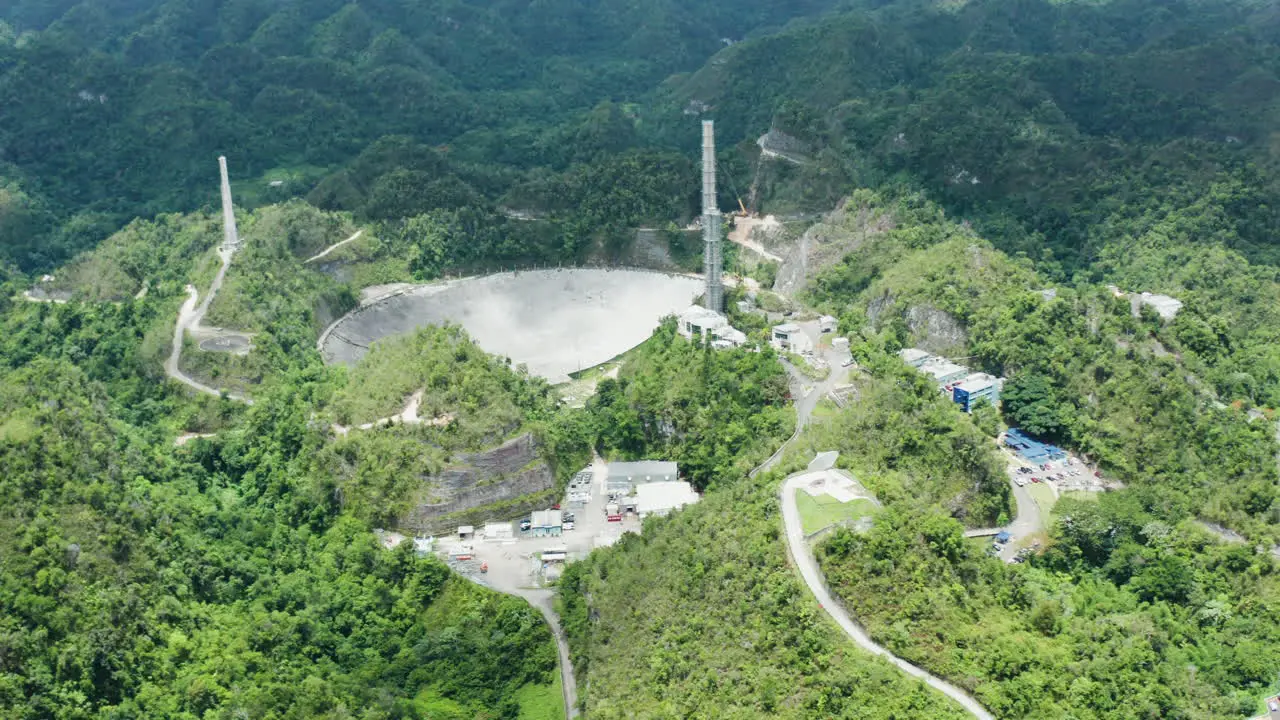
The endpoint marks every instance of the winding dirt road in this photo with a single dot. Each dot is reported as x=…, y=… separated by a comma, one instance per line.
x=190, y=319
x=332, y=247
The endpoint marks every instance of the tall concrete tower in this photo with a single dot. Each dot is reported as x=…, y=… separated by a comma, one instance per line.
x=230, y=238
x=711, y=259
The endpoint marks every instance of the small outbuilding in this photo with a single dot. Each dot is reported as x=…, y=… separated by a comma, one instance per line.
x=555, y=554
x=827, y=323
x=466, y=532
x=545, y=523
x=788, y=337
x=1166, y=307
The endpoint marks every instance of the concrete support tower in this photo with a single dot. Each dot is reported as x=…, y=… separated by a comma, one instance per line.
x=230, y=238
x=711, y=258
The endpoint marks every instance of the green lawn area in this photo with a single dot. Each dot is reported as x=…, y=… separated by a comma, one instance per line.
x=1077, y=495
x=824, y=409
x=1043, y=497
x=817, y=513
x=541, y=702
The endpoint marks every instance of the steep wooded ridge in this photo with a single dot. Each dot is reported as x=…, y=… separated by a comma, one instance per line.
x=984, y=179
x=1062, y=128
x=113, y=109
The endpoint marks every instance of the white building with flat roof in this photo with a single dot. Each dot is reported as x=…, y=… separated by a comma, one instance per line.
x=699, y=321
x=944, y=372
x=623, y=476
x=827, y=323
x=788, y=337
x=660, y=498
x=915, y=357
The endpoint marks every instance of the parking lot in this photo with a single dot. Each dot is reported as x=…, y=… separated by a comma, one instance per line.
x=1059, y=475
x=1040, y=474
x=515, y=563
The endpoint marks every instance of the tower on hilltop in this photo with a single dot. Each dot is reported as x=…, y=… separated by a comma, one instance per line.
x=711, y=256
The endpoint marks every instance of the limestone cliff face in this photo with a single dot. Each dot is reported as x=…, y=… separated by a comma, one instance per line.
x=825, y=244
x=500, y=476
x=934, y=330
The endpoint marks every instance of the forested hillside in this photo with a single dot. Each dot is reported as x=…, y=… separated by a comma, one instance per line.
x=995, y=180
x=1061, y=128
x=225, y=576
x=701, y=616
x=112, y=109
x=1132, y=587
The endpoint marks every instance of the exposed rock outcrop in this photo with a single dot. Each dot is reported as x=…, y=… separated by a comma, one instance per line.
x=841, y=232
x=503, y=475
x=934, y=330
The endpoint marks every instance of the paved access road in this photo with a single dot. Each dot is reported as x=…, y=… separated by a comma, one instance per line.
x=802, y=555
x=189, y=316
x=510, y=568
x=808, y=567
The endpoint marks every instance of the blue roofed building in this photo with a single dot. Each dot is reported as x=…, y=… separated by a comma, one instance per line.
x=975, y=387
x=1031, y=450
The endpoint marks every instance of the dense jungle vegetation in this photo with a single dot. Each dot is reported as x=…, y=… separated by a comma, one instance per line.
x=113, y=109
x=1003, y=148
x=223, y=578
x=684, y=401
x=1133, y=609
